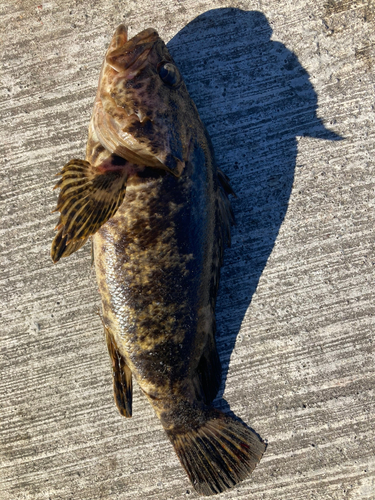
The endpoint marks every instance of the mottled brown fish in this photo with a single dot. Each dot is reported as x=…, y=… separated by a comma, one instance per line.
x=157, y=206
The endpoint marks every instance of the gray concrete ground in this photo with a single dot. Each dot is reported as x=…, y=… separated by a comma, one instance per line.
x=278, y=84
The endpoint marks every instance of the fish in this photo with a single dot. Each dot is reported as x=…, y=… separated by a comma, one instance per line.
x=151, y=197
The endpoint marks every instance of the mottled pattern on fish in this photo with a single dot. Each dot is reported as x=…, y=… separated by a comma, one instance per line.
x=155, y=294
x=157, y=206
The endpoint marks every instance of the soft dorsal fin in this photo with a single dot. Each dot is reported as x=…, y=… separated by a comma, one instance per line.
x=89, y=196
x=122, y=377
x=208, y=377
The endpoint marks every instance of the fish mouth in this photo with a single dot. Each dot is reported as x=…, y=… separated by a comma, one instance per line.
x=124, y=54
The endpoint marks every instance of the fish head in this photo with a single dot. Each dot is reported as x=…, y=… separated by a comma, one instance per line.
x=143, y=111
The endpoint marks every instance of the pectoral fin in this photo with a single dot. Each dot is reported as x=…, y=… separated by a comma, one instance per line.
x=89, y=196
x=122, y=378
x=63, y=247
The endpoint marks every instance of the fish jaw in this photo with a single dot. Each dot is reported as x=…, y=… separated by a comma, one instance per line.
x=120, y=37
x=123, y=54
x=139, y=116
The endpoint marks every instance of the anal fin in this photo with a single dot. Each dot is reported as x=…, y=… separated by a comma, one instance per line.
x=122, y=378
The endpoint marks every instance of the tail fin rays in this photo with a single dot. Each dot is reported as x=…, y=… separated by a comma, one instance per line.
x=218, y=454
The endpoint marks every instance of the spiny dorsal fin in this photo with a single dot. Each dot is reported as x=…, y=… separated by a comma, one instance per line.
x=89, y=196
x=226, y=212
x=224, y=220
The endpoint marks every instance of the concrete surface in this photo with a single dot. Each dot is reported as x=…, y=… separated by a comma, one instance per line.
x=278, y=83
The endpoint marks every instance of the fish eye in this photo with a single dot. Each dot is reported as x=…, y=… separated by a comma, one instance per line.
x=169, y=74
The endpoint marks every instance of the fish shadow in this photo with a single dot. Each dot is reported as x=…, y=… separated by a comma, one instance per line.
x=255, y=98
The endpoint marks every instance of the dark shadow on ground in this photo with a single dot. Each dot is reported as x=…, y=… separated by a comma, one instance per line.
x=255, y=98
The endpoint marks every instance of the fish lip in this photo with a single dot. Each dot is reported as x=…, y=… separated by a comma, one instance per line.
x=132, y=49
x=120, y=37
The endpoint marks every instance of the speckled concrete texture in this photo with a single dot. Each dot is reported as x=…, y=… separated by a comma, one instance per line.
x=286, y=90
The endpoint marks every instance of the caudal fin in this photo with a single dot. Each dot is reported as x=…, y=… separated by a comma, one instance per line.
x=219, y=453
